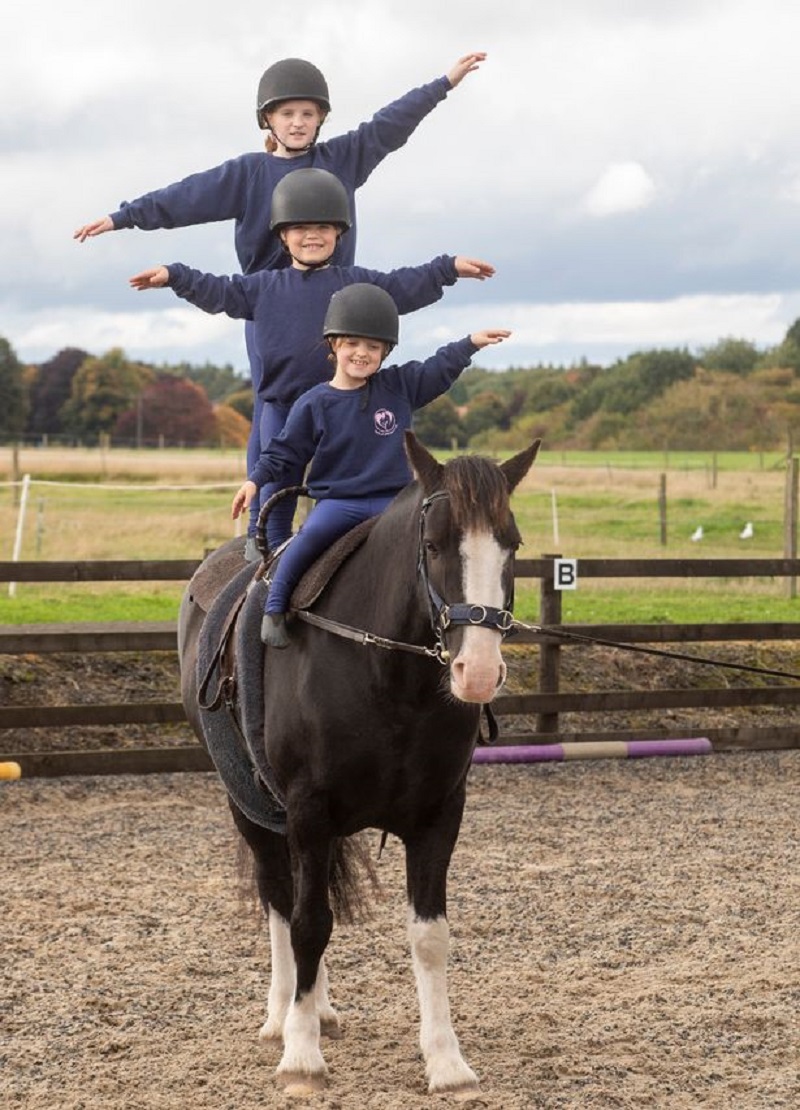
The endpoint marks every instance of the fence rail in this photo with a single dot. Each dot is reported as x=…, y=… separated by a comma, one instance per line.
x=547, y=705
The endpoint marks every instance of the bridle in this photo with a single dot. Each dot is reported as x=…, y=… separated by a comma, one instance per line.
x=444, y=616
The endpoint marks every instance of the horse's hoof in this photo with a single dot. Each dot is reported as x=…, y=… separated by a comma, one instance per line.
x=297, y=1085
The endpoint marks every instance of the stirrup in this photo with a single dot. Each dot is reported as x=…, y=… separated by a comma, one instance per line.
x=273, y=630
x=251, y=551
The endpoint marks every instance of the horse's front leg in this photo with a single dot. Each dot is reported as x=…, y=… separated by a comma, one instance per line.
x=427, y=862
x=302, y=1068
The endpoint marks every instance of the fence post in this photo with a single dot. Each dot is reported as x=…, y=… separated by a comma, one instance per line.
x=662, y=509
x=550, y=652
x=790, y=522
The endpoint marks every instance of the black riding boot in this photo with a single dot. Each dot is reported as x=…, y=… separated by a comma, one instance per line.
x=273, y=630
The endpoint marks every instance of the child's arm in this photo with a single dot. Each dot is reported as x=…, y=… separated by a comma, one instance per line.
x=354, y=156
x=413, y=287
x=235, y=296
x=206, y=197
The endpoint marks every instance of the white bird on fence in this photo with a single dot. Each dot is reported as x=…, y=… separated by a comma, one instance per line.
x=697, y=534
x=747, y=532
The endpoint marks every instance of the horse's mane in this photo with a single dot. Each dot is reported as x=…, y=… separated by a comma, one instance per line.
x=478, y=490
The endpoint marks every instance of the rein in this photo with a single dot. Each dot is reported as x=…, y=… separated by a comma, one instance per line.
x=563, y=634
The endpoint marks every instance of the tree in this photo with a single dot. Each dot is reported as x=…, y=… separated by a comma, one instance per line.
x=102, y=389
x=732, y=356
x=438, y=424
x=174, y=410
x=242, y=402
x=231, y=428
x=486, y=410
x=13, y=396
x=50, y=390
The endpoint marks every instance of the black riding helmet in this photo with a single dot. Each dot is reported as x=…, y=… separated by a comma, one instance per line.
x=290, y=79
x=362, y=310
x=309, y=196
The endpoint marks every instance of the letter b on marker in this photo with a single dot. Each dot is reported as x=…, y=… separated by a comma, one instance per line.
x=565, y=574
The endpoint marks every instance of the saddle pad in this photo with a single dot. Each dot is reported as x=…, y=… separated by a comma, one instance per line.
x=225, y=744
x=217, y=569
x=320, y=573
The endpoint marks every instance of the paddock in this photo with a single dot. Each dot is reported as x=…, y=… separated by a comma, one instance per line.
x=625, y=934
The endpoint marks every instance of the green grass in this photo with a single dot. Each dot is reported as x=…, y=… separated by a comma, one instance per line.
x=578, y=504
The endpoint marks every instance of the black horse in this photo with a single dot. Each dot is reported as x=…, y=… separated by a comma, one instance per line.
x=370, y=721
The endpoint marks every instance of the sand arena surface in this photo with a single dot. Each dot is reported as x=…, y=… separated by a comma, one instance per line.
x=625, y=934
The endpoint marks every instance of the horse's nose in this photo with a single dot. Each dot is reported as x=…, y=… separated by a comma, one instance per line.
x=477, y=677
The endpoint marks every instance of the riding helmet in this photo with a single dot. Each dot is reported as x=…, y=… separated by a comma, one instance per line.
x=290, y=79
x=309, y=196
x=362, y=310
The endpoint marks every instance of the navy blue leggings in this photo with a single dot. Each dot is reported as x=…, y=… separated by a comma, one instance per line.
x=268, y=420
x=328, y=520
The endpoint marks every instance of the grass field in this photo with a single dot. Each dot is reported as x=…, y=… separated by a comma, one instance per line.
x=88, y=504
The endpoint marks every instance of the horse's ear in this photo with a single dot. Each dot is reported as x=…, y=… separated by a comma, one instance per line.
x=517, y=467
x=425, y=466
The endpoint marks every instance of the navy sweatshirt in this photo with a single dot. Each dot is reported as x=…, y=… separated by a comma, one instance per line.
x=288, y=310
x=241, y=189
x=354, y=437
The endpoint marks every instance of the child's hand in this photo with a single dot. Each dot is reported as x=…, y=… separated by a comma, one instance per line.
x=465, y=65
x=156, y=278
x=491, y=335
x=243, y=498
x=473, y=268
x=96, y=227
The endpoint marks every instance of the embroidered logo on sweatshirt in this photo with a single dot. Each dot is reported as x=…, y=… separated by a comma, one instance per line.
x=385, y=422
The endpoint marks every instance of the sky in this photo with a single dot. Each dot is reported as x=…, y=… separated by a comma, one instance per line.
x=630, y=167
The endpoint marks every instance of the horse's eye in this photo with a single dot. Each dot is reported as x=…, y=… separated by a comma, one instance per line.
x=431, y=549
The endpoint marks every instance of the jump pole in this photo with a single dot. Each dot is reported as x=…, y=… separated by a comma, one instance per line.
x=591, y=749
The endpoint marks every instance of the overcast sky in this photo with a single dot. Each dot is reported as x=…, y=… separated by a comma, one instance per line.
x=631, y=167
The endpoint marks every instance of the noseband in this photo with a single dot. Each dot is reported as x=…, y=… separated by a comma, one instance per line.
x=444, y=616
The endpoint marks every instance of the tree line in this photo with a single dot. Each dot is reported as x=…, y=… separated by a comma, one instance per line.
x=731, y=395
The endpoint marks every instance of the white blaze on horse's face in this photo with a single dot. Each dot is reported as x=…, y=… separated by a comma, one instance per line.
x=478, y=671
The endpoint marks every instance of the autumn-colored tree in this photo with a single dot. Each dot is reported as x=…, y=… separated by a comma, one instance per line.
x=13, y=396
x=102, y=389
x=439, y=425
x=50, y=390
x=232, y=429
x=170, y=410
x=242, y=402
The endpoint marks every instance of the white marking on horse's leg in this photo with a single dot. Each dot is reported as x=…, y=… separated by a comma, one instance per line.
x=445, y=1067
x=479, y=671
x=302, y=1063
x=328, y=1018
x=283, y=977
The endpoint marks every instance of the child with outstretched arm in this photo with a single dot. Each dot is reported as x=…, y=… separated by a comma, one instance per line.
x=350, y=430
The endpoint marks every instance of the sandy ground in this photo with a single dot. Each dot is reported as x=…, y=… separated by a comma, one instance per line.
x=625, y=934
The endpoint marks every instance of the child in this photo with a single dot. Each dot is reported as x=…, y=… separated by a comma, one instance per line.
x=287, y=308
x=351, y=431
x=292, y=105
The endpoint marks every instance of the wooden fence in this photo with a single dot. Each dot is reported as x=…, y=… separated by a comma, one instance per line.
x=546, y=705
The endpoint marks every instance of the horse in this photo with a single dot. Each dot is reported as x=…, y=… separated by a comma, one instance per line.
x=370, y=719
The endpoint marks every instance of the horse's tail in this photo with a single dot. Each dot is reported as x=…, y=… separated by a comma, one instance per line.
x=353, y=879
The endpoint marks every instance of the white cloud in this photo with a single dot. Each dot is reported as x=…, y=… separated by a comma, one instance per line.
x=622, y=187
